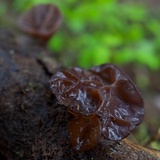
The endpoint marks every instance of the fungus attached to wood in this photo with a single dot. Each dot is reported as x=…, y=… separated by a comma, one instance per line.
x=103, y=100
x=41, y=21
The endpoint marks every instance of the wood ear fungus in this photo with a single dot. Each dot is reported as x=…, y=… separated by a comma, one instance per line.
x=103, y=100
x=41, y=21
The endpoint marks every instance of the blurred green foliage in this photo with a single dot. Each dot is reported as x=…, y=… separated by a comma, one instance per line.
x=99, y=31
x=3, y=9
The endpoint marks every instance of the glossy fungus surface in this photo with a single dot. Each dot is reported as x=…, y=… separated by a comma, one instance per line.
x=103, y=92
x=41, y=21
x=84, y=132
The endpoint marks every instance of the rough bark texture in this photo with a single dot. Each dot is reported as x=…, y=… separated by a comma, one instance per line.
x=32, y=124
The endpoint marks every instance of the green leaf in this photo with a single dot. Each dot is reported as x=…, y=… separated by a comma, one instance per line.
x=155, y=145
x=94, y=56
x=136, y=33
x=134, y=12
x=124, y=56
x=100, y=56
x=146, y=54
x=56, y=43
x=154, y=26
x=112, y=40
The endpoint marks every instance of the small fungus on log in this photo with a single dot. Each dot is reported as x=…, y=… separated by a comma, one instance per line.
x=41, y=21
x=103, y=100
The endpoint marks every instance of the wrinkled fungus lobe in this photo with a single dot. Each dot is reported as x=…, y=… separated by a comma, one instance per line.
x=41, y=21
x=103, y=101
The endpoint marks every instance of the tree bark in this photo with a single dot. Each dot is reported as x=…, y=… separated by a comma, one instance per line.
x=32, y=123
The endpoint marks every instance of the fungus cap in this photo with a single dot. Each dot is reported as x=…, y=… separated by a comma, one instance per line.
x=41, y=21
x=104, y=91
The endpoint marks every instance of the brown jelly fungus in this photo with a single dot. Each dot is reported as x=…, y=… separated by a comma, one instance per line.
x=41, y=21
x=103, y=100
